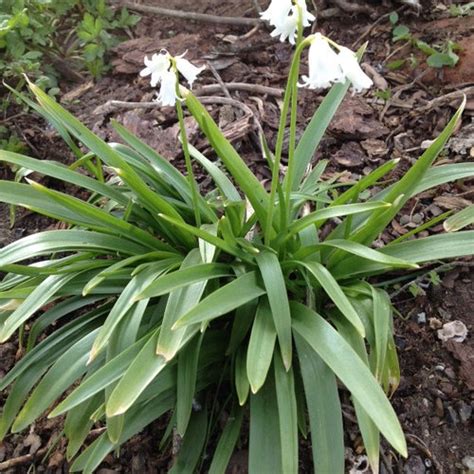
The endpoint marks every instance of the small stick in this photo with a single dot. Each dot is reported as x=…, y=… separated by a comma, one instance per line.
x=20, y=460
x=445, y=99
x=219, y=80
x=204, y=17
x=241, y=86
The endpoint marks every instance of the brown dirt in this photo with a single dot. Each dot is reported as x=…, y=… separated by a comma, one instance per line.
x=435, y=398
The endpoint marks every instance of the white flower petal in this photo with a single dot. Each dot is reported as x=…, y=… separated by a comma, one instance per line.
x=167, y=95
x=188, y=70
x=307, y=16
x=324, y=68
x=287, y=29
x=277, y=12
x=353, y=71
x=156, y=67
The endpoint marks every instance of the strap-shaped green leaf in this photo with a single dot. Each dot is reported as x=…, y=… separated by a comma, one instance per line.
x=126, y=300
x=67, y=369
x=460, y=220
x=186, y=383
x=287, y=415
x=227, y=441
x=52, y=241
x=224, y=300
x=334, y=291
x=277, y=293
x=426, y=249
x=224, y=184
x=184, y=277
x=324, y=409
x=35, y=301
x=318, y=217
x=100, y=379
x=351, y=370
x=261, y=346
x=264, y=439
x=246, y=180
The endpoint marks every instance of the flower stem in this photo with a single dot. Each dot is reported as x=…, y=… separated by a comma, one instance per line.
x=187, y=158
x=293, y=120
x=290, y=87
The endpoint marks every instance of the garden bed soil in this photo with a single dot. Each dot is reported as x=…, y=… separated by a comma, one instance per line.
x=435, y=397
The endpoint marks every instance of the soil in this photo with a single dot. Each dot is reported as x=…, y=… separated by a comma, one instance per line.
x=435, y=398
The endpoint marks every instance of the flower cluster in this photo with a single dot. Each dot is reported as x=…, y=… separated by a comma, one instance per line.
x=327, y=67
x=284, y=14
x=163, y=69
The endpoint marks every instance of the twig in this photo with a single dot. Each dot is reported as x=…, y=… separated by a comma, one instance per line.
x=204, y=17
x=219, y=80
x=20, y=460
x=447, y=98
x=241, y=86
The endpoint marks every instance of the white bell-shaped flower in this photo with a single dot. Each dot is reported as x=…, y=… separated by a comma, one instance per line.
x=308, y=17
x=167, y=95
x=277, y=12
x=287, y=29
x=352, y=70
x=323, y=62
x=283, y=15
x=188, y=70
x=163, y=68
x=156, y=66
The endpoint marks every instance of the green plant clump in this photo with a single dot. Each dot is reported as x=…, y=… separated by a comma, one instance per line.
x=34, y=33
x=240, y=310
x=437, y=56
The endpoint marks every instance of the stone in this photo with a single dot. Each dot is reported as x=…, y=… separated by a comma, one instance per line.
x=414, y=465
x=468, y=462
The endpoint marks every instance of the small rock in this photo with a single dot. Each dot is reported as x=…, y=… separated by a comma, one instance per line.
x=465, y=411
x=414, y=465
x=468, y=462
x=374, y=148
x=455, y=330
x=350, y=155
x=439, y=408
x=405, y=219
x=452, y=416
x=33, y=441
x=450, y=373
x=435, y=323
x=421, y=318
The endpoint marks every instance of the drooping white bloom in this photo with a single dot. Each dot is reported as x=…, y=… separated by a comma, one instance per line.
x=188, y=70
x=277, y=12
x=156, y=66
x=163, y=69
x=352, y=70
x=283, y=15
x=324, y=67
x=308, y=17
x=167, y=95
x=287, y=29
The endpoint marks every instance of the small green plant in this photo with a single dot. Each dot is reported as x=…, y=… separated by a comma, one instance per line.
x=33, y=32
x=242, y=304
x=462, y=10
x=10, y=141
x=437, y=56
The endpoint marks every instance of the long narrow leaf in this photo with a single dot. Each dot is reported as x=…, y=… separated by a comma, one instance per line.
x=351, y=370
